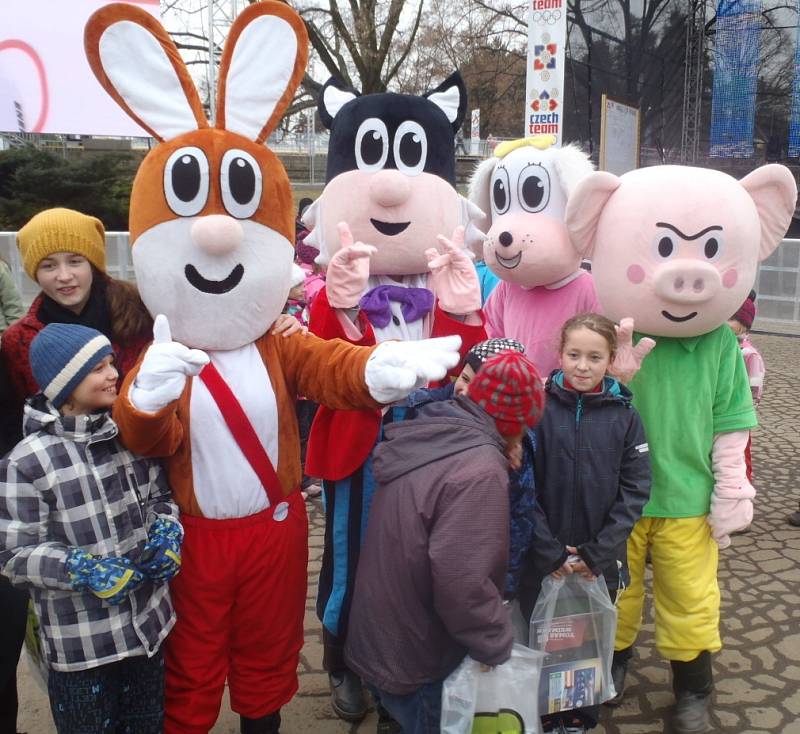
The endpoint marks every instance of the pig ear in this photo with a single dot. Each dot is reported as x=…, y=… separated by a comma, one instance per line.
x=584, y=207
x=774, y=191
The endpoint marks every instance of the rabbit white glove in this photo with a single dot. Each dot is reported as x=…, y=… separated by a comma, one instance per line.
x=164, y=370
x=394, y=369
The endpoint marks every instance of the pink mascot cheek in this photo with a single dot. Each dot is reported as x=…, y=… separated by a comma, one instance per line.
x=636, y=274
x=730, y=278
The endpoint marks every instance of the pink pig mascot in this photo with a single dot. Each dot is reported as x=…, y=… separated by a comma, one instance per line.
x=678, y=249
x=523, y=189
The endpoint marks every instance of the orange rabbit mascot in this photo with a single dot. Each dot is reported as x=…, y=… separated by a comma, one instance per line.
x=211, y=227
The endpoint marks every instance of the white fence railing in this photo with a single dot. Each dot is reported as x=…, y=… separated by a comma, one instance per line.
x=777, y=282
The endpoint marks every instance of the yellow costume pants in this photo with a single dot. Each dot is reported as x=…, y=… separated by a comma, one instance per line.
x=685, y=590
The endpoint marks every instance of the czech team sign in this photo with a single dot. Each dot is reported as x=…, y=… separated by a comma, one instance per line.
x=547, y=37
x=46, y=85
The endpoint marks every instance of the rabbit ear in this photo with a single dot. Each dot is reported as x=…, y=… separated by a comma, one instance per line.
x=137, y=63
x=262, y=65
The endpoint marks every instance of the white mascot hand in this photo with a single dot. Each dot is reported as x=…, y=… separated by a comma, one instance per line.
x=396, y=368
x=164, y=370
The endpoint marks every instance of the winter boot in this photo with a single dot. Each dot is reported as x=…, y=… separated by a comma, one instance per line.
x=269, y=724
x=619, y=669
x=692, y=683
x=347, y=695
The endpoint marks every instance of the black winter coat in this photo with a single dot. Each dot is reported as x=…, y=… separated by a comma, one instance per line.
x=592, y=472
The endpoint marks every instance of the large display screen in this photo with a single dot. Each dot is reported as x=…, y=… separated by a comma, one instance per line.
x=46, y=85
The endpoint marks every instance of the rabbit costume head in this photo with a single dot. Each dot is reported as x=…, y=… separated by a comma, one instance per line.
x=211, y=213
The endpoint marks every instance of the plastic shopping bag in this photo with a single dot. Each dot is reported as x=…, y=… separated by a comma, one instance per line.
x=502, y=700
x=574, y=623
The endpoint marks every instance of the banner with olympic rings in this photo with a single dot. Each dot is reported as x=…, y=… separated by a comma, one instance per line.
x=547, y=38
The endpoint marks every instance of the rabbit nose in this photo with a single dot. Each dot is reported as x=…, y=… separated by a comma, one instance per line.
x=217, y=234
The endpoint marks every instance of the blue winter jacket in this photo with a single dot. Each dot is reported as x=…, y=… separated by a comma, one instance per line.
x=592, y=471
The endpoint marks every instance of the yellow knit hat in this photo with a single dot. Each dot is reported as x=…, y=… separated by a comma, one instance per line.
x=61, y=230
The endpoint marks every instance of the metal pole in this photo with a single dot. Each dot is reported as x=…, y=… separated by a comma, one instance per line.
x=311, y=126
x=212, y=71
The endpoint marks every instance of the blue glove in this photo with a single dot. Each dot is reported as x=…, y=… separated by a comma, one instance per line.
x=110, y=579
x=161, y=556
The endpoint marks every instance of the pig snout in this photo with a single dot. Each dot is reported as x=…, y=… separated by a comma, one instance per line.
x=217, y=234
x=687, y=282
x=390, y=188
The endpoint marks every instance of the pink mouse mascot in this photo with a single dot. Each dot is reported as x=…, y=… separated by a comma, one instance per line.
x=523, y=190
x=390, y=195
x=678, y=249
x=212, y=232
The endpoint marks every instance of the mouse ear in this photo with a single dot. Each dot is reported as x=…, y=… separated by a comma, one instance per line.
x=262, y=65
x=136, y=62
x=451, y=98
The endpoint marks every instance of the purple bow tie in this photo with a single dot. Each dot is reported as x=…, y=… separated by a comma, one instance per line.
x=376, y=303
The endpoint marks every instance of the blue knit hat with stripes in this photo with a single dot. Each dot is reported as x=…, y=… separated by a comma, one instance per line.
x=61, y=355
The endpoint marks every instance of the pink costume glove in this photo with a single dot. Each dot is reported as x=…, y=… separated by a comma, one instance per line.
x=454, y=280
x=628, y=358
x=348, y=270
x=732, y=499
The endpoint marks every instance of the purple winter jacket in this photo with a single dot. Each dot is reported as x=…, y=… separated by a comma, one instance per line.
x=429, y=587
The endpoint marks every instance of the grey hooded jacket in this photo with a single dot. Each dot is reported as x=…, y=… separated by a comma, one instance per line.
x=429, y=588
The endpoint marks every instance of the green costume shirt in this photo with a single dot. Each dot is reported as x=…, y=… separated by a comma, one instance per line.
x=687, y=391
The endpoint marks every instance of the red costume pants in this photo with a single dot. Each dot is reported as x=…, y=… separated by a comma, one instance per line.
x=240, y=601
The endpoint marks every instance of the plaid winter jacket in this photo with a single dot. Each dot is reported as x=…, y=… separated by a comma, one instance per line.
x=68, y=484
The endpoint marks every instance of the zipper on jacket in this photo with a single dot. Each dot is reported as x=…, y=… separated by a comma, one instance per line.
x=131, y=477
x=578, y=414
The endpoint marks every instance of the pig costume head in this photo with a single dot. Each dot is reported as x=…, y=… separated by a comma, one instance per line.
x=523, y=190
x=675, y=247
x=390, y=174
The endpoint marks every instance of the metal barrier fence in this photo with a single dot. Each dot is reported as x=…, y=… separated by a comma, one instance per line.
x=777, y=282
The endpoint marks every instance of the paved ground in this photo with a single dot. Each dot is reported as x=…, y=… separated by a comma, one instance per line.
x=758, y=671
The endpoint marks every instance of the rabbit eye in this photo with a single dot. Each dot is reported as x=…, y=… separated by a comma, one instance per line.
x=186, y=181
x=240, y=183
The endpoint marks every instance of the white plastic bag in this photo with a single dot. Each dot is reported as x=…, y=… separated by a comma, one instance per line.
x=574, y=623
x=499, y=700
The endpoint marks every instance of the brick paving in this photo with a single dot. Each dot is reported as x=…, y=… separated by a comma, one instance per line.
x=757, y=672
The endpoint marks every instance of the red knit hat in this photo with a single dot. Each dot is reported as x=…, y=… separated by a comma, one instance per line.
x=746, y=313
x=509, y=389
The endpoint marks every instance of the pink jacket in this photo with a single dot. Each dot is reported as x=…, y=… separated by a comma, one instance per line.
x=756, y=369
x=535, y=316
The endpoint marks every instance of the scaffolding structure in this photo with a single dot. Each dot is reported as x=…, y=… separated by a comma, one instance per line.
x=693, y=79
x=221, y=14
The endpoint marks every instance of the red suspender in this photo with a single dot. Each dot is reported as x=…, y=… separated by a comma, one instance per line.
x=243, y=433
